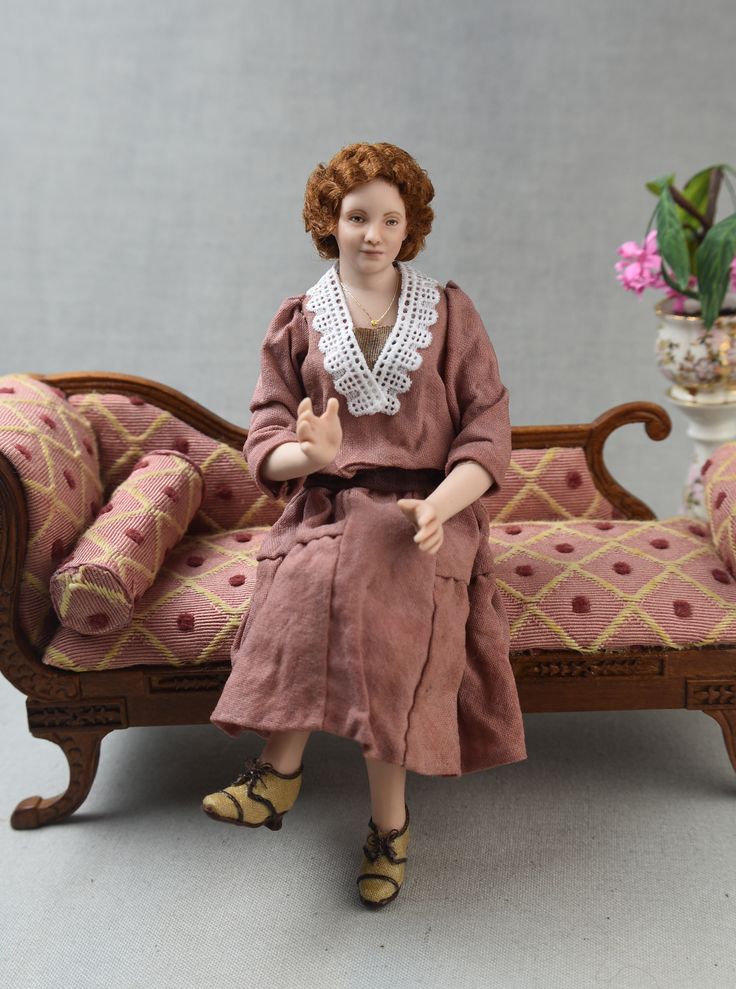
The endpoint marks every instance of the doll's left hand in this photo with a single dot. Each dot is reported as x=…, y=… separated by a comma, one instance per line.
x=424, y=516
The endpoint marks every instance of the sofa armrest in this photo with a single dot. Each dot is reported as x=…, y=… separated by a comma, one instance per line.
x=719, y=494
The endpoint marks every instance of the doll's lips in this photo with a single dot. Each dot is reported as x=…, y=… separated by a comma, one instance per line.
x=373, y=253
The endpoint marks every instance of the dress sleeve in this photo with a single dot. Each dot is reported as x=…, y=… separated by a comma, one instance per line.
x=277, y=395
x=477, y=398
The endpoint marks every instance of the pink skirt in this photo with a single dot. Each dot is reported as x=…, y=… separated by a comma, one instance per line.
x=353, y=630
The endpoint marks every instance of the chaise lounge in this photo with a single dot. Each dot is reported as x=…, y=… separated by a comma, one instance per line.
x=129, y=533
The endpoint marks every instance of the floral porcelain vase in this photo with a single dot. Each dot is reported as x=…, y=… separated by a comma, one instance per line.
x=701, y=366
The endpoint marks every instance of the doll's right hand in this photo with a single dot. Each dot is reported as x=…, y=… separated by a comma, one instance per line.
x=318, y=436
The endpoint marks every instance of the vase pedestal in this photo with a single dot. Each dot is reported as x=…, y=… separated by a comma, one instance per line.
x=710, y=425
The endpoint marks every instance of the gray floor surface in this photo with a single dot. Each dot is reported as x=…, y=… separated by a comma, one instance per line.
x=606, y=860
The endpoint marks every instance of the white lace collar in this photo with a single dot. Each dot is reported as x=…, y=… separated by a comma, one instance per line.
x=366, y=391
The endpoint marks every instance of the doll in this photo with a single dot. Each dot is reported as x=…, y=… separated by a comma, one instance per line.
x=380, y=415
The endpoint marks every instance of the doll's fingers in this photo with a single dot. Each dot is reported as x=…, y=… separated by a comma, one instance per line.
x=303, y=428
x=427, y=529
x=432, y=546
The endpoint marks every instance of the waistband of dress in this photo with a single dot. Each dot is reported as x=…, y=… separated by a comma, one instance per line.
x=394, y=479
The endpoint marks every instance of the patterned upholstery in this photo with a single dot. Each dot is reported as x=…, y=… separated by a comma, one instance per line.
x=54, y=451
x=188, y=617
x=127, y=427
x=118, y=557
x=548, y=484
x=578, y=585
x=719, y=495
x=572, y=573
x=592, y=586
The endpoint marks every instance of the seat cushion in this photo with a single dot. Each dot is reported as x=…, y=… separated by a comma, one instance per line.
x=591, y=586
x=187, y=618
x=577, y=584
x=118, y=557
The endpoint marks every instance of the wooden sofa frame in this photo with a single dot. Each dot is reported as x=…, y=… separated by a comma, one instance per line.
x=75, y=710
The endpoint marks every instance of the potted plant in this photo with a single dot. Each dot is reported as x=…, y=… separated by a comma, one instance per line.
x=694, y=259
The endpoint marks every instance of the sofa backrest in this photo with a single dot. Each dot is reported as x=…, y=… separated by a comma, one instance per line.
x=553, y=483
x=71, y=453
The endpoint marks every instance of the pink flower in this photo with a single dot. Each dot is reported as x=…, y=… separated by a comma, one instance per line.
x=641, y=266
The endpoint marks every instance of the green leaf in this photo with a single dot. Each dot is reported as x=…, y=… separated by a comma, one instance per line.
x=656, y=185
x=696, y=190
x=714, y=261
x=671, y=239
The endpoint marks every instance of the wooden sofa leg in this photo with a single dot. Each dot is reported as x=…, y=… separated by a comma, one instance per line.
x=82, y=750
x=727, y=720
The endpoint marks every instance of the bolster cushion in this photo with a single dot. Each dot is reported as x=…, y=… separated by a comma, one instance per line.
x=118, y=557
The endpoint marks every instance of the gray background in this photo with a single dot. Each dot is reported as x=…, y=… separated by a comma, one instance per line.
x=154, y=158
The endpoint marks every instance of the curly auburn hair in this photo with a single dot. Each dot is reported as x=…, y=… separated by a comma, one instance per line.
x=354, y=165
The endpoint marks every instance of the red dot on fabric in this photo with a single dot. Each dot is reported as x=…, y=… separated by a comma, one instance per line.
x=620, y=566
x=512, y=530
x=24, y=450
x=195, y=561
x=244, y=537
x=181, y=445
x=697, y=530
x=580, y=604
x=135, y=535
x=720, y=499
x=69, y=478
x=705, y=466
x=7, y=390
x=683, y=609
x=604, y=526
x=106, y=508
x=98, y=620
x=185, y=622
x=170, y=492
x=237, y=579
x=224, y=492
x=524, y=570
x=136, y=400
x=574, y=479
x=88, y=447
x=564, y=548
x=48, y=420
x=721, y=576
x=57, y=549
x=659, y=543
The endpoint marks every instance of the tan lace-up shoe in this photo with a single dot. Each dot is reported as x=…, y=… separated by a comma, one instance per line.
x=260, y=795
x=382, y=872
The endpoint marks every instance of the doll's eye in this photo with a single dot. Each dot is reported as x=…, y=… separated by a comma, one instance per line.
x=356, y=217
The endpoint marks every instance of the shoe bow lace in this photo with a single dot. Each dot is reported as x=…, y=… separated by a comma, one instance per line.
x=380, y=844
x=254, y=773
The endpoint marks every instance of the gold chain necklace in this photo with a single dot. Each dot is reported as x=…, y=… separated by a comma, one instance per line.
x=374, y=322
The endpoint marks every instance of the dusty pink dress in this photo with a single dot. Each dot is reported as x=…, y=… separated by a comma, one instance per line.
x=352, y=629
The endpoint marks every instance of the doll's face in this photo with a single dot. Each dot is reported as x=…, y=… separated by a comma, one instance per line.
x=371, y=227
